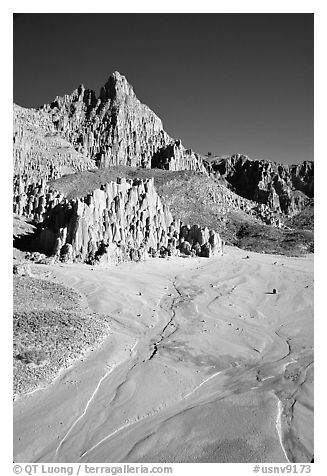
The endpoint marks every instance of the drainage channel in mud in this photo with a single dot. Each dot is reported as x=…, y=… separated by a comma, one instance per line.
x=170, y=324
x=272, y=368
x=133, y=354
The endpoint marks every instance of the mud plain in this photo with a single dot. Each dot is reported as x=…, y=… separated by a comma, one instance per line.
x=203, y=364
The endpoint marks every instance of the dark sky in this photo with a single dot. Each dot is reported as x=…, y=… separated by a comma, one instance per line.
x=223, y=83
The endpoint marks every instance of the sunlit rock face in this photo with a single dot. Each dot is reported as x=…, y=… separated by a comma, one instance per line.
x=84, y=131
x=114, y=128
x=40, y=154
x=81, y=131
x=124, y=220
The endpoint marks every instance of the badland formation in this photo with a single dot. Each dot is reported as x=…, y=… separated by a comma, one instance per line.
x=125, y=217
x=98, y=182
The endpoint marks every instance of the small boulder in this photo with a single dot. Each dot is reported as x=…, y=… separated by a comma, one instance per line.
x=22, y=269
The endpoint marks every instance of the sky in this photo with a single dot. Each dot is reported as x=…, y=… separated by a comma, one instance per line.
x=222, y=83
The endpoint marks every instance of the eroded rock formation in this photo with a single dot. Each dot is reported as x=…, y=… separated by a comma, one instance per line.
x=83, y=131
x=80, y=131
x=175, y=157
x=114, y=128
x=40, y=155
x=283, y=188
x=124, y=220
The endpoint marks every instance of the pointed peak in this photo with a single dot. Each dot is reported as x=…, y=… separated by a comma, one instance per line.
x=116, y=86
x=116, y=74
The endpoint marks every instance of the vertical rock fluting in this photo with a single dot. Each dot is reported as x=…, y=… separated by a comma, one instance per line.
x=81, y=131
x=285, y=189
x=124, y=220
x=114, y=128
x=40, y=154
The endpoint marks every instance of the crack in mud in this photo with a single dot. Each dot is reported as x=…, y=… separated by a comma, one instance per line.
x=163, y=334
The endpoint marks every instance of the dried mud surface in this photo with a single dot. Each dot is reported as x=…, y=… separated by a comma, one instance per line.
x=204, y=363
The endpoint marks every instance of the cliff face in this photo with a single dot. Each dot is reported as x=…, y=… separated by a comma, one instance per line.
x=113, y=129
x=284, y=188
x=124, y=220
x=117, y=129
x=81, y=131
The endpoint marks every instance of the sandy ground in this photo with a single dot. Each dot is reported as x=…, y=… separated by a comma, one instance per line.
x=204, y=364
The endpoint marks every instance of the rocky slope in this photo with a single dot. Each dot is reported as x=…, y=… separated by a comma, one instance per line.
x=303, y=220
x=208, y=196
x=91, y=135
x=122, y=220
x=115, y=128
x=286, y=189
x=40, y=155
x=196, y=198
x=80, y=131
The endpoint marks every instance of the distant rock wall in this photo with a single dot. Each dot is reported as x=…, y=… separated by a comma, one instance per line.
x=124, y=220
x=228, y=201
x=283, y=188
